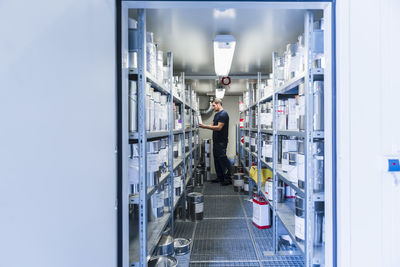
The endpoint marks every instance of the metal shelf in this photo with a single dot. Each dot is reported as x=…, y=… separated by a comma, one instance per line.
x=134, y=199
x=156, y=84
x=318, y=134
x=292, y=83
x=179, y=161
x=270, y=202
x=178, y=132
x=189, y=107
x=154, y=134
x=286, y=214
x=163, y=178
x=246, y=169
x=269, y=166
x=267, y=131
x=291, y=133
x=317, y=71
x=266, y=99
x=155, y=229
x=177, y=100
x=255, y=130
x=191, y=130
x=283, y=176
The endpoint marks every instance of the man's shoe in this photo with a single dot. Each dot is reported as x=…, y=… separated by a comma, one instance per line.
x=215, y=181
x=225, y=183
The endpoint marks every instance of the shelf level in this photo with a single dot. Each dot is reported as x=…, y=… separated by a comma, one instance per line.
x=270, y=202
x=154, y=134
x=286, y=214
x=176, y=99
x=156, y=84
x=265, y=99
x=284, y=177
x=246, y=169
x=267, y=164
x=292, y=83
x=154, y=230
x=291, y=133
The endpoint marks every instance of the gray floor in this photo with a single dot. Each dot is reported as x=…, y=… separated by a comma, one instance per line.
x=226, y=235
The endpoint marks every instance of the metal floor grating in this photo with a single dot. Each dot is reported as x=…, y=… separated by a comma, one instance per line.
x=222, y=250
x=260, y=233
x=228, y=216
x=284, y=261
x=248, y=207
x=225, y=264
x=184, y=229
x=222, y=207
x=218, y=190
x=222, y=229
x=198, y=189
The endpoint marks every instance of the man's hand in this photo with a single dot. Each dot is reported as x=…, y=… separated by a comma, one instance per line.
x=201, y=125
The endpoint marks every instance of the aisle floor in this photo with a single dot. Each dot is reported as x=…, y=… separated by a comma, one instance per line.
x=226, y=235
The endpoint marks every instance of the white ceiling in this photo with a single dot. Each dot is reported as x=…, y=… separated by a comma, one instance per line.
x=189, y=34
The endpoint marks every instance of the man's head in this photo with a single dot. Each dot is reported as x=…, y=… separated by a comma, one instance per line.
x=217, y=104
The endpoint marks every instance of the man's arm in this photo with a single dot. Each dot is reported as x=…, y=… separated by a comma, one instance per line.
x=212, y=127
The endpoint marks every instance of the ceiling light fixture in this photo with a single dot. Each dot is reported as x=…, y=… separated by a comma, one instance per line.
x=224, y=47
x=219, y=93
x=222, y=13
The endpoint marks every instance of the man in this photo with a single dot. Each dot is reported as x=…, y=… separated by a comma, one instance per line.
x=220, y=127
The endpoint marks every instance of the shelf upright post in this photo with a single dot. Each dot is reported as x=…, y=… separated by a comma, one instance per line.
x=250, y=122
x=258, y=133
x=171, y=139
x=275, y=151
x=309, y=248
x=190, y=132
x=142, y=141
x=183, y=146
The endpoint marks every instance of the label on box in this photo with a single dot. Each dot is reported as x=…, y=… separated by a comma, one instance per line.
x=177, y=182
x=300, y=167
x=299, y=227
x=198, y=207
x=133, y=172
x=292, y=172
x=292, y=105
x=292, y=122
x=152, y=162
x=302, y=105
x=261, y=216
x=289, y=145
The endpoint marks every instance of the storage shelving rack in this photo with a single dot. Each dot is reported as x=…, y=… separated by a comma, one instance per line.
x=137, y=250
x=284, y=212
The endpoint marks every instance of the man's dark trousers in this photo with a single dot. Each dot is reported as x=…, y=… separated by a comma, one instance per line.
x=221, y=162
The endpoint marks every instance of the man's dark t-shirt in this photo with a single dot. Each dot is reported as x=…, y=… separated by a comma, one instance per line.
x=221, y=136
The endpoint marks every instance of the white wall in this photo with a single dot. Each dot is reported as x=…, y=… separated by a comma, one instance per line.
x=230, y=104
x=57, y=113
x=368, y=128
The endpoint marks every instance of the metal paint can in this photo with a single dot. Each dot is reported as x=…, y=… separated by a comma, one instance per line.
x=166, y=246
x=182, y=251
x=318, y=223
x=195, y=206
x=318, y=120
x=132, y=106
x=238, y=182
x=299, y=219
x=318, y=170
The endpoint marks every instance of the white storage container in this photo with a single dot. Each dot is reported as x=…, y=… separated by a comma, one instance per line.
x=261, y=213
